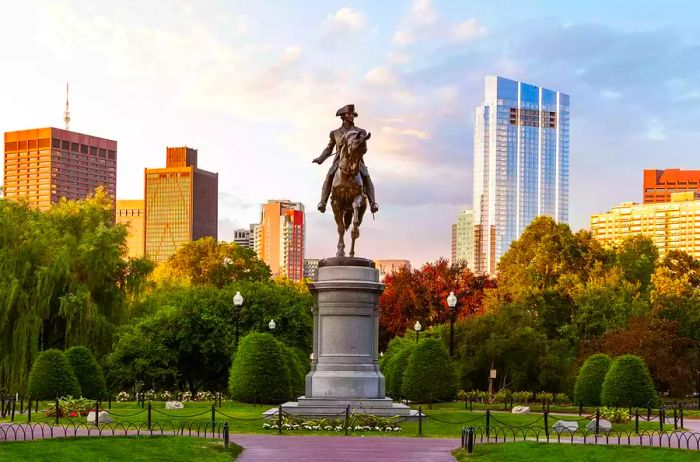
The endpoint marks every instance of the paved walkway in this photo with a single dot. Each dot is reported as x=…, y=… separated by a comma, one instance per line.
x=263, y=448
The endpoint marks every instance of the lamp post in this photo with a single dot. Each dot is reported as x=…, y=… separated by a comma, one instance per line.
x=272, y=324
x=237, y=303
x=452, y=303
x=417, y=327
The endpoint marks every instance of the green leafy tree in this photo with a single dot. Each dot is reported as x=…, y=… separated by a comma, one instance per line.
x=260, y=370
x=52, y=377
x=430, y=373
x=87, y=371
x=628, y=382
x=396, y=367
x=590, y=380
x=208, y=262
x=636, y=257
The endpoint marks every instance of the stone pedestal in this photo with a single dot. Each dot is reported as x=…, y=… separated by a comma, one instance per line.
x=345, y=367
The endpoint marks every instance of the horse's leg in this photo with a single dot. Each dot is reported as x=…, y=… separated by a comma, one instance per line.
x=355, y=233
x=338, y=215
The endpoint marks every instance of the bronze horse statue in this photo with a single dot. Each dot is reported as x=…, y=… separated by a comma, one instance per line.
x=348, y=198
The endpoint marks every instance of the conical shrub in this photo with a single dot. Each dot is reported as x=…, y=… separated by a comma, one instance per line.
x=431, y=374
x=589, y=382
x=52, y=377
x=628, y=383
x=260, y=370
x=87, y=371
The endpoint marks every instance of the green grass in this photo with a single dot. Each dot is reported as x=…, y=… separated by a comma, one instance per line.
x=542, y=452
x=247, y=419
x=131, y=448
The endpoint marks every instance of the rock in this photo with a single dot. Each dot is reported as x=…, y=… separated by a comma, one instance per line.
x=520, y=410
x=603, y=426
x=174, y=405
x=565, y=426
x=103, y=417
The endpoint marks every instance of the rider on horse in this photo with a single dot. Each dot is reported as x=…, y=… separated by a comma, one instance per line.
x=347, y=114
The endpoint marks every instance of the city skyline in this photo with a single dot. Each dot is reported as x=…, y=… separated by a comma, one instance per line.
x=258, y=95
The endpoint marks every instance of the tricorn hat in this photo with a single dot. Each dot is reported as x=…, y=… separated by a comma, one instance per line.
x=346, y=109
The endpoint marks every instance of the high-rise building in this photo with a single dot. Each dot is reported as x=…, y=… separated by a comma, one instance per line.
x=130, y=212
x=42, y=165
x=279, y=239
x=389, y=266
x=181, y=203
x=310, y=268
x=245, y=237
x=660, y=184
x=521, y=164
x=463, y=239
x=673, y=225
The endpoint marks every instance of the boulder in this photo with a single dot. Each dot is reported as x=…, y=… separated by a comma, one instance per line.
x=565, y=426
x=603, y=426
x=103, y=417
x=174, y=405
x=520, y=410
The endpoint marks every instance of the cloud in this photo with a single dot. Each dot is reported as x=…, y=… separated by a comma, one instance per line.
x=348, y=18
x=403, y=37
x=381, y=76
x=610, y=94
x=291, y=53
x=656, y=130
x=423, y=12
x=420, y=134
x=468, y=30
x=399, y=58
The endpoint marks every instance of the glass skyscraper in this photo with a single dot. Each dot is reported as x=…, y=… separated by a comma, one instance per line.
x=521, y=164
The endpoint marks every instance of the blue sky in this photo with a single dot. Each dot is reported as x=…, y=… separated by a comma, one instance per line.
x=255, y=86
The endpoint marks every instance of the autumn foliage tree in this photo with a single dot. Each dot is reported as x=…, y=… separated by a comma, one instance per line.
x=421, y=295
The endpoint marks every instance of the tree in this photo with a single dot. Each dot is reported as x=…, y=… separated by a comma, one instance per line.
x=675, y=297
x=430, y=374
x=681, y=263
x=628, y=383
x=260, y=371
x=208, y=262
x=52, y=377
x=87, y=372
x=636, y=257
x=590, y=380
x=395, y=368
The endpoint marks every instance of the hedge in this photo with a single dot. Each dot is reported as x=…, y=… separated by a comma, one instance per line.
x=52, y=377
x=87, y=371
x=628, y=383
x=590, y=380
x=431, y=374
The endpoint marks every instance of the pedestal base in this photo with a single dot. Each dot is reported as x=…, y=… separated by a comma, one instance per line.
x=320, y=407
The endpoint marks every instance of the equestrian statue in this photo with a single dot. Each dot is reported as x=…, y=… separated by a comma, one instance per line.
x=348, y=182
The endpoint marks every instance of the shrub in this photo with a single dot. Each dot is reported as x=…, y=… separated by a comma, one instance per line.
x=590, y=380
x=502, y=396
x=430, y=374
x=52, y=377
x=615, y=414
x=628, y=383
x=260, y=371
x=396, y=368
x=561, y=399
x=298, y=368
x=522, y=397
x=87, y=371
x=544, y=397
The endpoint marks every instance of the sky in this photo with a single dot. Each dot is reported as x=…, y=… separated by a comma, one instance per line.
x=254, y=86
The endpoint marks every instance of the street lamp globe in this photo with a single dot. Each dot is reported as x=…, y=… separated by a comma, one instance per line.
x=451, y=300
x=238, y=299
x=272, y=324
x=417, y=327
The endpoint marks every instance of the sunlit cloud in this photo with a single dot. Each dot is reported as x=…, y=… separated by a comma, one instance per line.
x=349, y=18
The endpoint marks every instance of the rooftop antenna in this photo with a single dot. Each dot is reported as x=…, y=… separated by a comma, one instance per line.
x=66, y=116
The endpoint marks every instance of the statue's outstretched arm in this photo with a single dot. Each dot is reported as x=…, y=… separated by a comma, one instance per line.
x=326, y=152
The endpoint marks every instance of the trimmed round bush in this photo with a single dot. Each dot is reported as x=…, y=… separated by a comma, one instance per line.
x=395, y=369
x=87, y=371
x=628, y=382
x=590, y=380
x=260, y=370
x=430, y=374
x=298, y=368
x=52, y=377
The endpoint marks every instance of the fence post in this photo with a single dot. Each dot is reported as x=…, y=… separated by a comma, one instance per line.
x=546, y=424
x=597, y=421
x=630, y=408
x=58, y=410
x=648, y=411
x=420, y=420
x=143, y=400
x=148, y=415
x=470, y=440
x=213, y=417
x=680, y=408
x=36, y=406
x=225, y=435
x=279, y=419
x=14, y=403
x=580, y=408
x=662, y=417
x=636, y=421
x=29, y=410
x=488, y=423
x=675, y=418
x=347, y=419
x=109, y=401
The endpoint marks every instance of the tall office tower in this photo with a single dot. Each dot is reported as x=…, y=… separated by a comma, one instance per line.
x=521, y=164
x=243, y=237
x=660, y=184
x=181, y=203
x=130, y=212
x=673, y=225
x=280, y=239
x=42, y=165
x=463, y=239
x=310, y=268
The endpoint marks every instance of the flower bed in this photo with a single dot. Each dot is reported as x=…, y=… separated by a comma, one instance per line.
x=356, y=423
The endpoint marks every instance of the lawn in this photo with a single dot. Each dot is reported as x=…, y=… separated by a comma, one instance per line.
x=542, y=452
x=139, y=448
x=442, y=421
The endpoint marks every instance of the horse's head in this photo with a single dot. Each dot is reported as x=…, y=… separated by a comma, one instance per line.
x=353, y=147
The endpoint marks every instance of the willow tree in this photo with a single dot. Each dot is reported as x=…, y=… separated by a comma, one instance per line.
x=64, y=281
